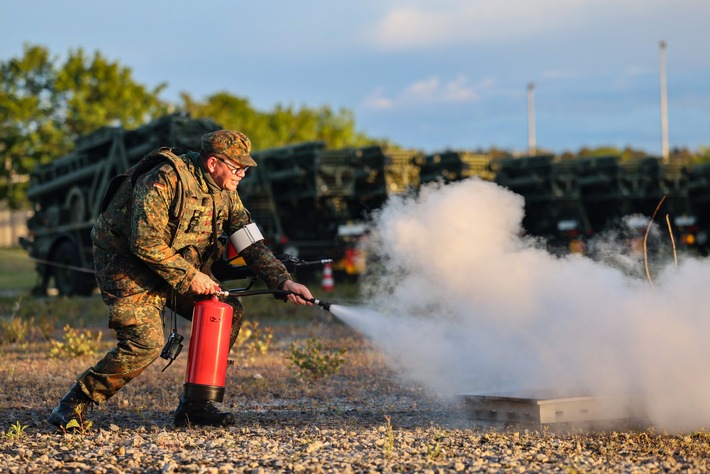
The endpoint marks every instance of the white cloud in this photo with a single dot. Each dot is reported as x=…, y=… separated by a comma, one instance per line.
x=417, y=23
x=424, y=91
x=431, y=90
x=458, y=90
x=377, y=100
x=421, y=24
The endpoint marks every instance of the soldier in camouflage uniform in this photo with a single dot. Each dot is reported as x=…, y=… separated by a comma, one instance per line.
x=154, y=244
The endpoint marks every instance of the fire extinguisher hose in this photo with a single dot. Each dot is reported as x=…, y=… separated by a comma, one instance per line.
x=240, y=292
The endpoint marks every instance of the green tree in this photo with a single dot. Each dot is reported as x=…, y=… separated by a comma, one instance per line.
x=703, y=154
x=227, y=110
x=283, y=125
x=586, y=152
x=46, y=104
x=29, y=127
x=95, y=92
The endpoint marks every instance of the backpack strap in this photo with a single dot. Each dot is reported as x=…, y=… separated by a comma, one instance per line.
x=148, y=162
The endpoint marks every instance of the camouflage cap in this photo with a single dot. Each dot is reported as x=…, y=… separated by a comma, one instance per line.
x=228, y=144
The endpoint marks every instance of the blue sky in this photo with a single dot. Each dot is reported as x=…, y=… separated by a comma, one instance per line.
x=430, y=75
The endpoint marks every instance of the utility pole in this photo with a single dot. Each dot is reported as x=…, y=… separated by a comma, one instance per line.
x=664, y=104
x=531, y=119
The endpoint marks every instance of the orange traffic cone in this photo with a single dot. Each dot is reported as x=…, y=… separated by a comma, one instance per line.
x=327, y=284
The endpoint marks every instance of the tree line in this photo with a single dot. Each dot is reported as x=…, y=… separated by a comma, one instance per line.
x=47, y=103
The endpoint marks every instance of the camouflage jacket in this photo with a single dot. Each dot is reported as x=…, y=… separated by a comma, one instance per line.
x=160, y=221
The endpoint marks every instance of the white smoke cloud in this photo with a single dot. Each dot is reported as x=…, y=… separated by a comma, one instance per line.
x=463, y=304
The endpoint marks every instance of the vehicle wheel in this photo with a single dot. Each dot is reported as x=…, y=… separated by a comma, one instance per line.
x=70, y=282
x=75, y=204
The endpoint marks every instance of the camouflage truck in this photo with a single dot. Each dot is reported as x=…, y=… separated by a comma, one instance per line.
x=312, y=202
x=697, y=224
x=66, y=195
x=357, y=182
x=551, y=188
x=282, y=197
x=570, y=202
x=449, y=166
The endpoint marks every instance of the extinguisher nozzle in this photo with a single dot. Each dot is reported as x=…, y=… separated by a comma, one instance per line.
x=324, y=304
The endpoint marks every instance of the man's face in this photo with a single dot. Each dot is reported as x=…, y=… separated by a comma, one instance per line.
x=225, y=173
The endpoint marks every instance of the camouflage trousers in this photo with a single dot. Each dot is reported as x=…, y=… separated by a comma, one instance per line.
x=139, y=326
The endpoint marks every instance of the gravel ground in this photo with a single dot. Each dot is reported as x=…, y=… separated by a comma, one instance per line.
x=361, y=420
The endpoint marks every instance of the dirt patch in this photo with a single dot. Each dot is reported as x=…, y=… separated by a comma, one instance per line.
x=361, y=420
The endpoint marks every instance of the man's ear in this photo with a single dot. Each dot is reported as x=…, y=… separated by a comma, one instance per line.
x=211, y=163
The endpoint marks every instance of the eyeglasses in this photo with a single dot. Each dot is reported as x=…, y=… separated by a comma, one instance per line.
x=235, y=169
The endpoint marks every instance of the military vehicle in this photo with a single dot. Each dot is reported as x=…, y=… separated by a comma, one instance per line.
x=569, y=202
x=697, y=224
x=551, y=189
x=452, y=165
x=313, y=203
x=66, y=195
x=283, y=199
x=309, y=202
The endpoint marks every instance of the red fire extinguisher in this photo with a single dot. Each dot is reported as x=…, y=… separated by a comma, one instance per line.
x=208, y=356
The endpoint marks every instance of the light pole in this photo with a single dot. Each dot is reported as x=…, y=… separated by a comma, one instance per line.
x=531, y=119
x=664, y=104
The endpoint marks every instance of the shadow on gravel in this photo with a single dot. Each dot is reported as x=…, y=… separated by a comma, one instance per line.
x=125, y=419
x=101, y=419
x=354, y=418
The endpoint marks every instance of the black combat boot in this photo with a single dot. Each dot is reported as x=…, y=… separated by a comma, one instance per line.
x=72, y=407
x=201, y=413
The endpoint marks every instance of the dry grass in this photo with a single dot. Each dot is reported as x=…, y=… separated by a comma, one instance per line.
x=35, y=382
x=360, y=420
x=363, y=419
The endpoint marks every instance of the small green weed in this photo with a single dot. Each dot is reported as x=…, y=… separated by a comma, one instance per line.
x=14, y=330
x=76, y=343
x=256, y=340
x=16, y=431
x=389, y=437
x=45, y=325
x=261, y=340
x=315, y=361
x=78, y=425
x=19, y=327
x=434, y=451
